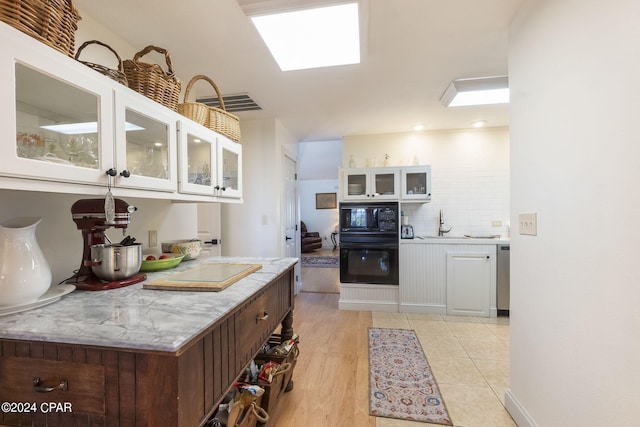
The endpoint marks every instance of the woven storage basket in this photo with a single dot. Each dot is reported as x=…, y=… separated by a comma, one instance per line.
x=196, y=111
x=117, y=75
x=220, y=121
x=53, y=22
x=151, y=80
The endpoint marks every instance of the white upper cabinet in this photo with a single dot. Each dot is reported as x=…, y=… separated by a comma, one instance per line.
x=371, y=183
x=229, y=169
x=52, y=126
x=197, y=159
x=146, y=146
x=416, y=183
x=67, y=128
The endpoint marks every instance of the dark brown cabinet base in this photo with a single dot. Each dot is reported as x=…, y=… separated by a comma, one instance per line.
x=125, y=387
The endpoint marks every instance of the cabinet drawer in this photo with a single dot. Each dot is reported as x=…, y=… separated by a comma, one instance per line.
x=85, y=384
x=254, y=323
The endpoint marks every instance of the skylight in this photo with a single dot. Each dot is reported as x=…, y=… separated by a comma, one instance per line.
x=312, y=38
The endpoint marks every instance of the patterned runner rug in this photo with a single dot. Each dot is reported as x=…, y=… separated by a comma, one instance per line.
x=320, y=261
x=401, y=384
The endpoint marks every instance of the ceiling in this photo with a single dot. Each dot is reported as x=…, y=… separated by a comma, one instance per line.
x=411, y=52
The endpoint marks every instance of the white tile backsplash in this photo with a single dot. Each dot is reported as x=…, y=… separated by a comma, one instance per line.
x=470, y=199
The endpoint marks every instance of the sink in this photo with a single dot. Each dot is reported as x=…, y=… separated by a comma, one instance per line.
x=493, y=236
x=440, y=237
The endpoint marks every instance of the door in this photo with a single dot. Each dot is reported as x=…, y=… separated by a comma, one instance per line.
x=291, y=213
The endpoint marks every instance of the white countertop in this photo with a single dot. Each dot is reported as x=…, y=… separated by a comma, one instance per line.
x=421, y=240
x=136, y=318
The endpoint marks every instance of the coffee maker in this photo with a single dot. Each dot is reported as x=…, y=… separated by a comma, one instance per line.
x=90, y=217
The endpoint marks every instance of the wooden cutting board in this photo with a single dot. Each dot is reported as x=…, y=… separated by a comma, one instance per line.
x=212, y=277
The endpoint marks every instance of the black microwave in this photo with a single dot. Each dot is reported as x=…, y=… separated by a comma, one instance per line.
x=368, y=217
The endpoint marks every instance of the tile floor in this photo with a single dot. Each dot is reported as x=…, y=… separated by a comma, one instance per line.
x=469, y=357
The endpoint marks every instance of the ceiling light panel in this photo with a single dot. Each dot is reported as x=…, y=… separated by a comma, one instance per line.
x=312, y=38
x=477, y=91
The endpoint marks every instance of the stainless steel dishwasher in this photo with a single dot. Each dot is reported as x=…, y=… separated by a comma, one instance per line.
x=503, y=280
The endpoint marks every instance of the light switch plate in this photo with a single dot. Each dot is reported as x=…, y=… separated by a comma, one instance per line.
x=528, y=223
x=153, y=238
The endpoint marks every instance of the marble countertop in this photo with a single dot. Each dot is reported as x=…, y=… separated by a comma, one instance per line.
x=137, y=318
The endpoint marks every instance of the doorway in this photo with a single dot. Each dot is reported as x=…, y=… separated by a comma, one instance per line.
x=291, y=232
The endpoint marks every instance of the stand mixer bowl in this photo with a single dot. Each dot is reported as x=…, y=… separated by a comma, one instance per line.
x=115, y=262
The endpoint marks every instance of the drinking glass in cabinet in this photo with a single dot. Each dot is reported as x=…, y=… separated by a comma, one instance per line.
x=199, y=156
x=55, y=122
x=147, y=142
x=230, y=169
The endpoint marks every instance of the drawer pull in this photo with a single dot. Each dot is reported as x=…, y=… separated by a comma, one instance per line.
x=42, y=389
x=264, y=316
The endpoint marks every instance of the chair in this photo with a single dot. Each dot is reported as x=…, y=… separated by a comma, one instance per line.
x=310, y=240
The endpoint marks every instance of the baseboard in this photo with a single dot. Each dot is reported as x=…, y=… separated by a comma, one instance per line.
x=368, y=306
x=517, y=411
x=368, y=297
x=423, y=308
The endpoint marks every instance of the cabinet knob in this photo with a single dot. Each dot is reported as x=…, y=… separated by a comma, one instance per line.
x=488, y=257
x=112, y=172
x=264, y=316
x=125, y=174
x=37, y=386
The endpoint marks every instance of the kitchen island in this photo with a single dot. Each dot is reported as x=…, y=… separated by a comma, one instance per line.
x=141, y=357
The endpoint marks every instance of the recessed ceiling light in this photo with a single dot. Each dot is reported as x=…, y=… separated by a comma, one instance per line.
x=477, y=91
x=312, y=38
x=479, y=123
x=418, y=127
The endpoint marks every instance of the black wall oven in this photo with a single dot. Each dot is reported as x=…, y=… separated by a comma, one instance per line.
x=369, y=243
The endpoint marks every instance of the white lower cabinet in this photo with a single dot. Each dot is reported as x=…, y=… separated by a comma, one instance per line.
x=470, y=278
x=455, y=279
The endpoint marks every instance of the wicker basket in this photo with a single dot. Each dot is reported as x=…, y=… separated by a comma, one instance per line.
x=117, y=75
x=222, y=122
x=196, y=111
x=151, y=80
x=53, y=22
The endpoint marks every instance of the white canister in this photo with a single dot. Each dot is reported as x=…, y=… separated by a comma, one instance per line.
x=25, y=274
x=405, y=220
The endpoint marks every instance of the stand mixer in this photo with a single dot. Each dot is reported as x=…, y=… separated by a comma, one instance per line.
x=90, y=217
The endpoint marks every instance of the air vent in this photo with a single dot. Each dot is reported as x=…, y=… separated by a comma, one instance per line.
x=232, y=103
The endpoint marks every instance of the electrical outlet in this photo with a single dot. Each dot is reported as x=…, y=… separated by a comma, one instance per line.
x=153, y=238
x=528, y=223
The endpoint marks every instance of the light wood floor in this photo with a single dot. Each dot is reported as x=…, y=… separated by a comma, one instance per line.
x=331, y=378
x=469, y=358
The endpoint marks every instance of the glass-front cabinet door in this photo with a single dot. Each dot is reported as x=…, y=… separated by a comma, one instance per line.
x=229, y=169
x=196, y=160
x=53, y=129
x=416, y=183
x=146, y=148
x=356, y=183
x=370, y=183
x=384, y=183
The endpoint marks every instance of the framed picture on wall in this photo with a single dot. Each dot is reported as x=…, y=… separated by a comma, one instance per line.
x=326, y=201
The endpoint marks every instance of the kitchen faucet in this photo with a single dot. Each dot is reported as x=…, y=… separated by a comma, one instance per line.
x=442, y=230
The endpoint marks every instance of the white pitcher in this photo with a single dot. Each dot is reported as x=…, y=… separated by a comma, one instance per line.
x=25, y=274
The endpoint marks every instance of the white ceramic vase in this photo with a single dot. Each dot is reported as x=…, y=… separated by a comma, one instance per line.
x=25, y=274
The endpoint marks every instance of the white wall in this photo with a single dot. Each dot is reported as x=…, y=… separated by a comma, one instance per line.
x=256, y=227
x=575, y=347
x=470, y=176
